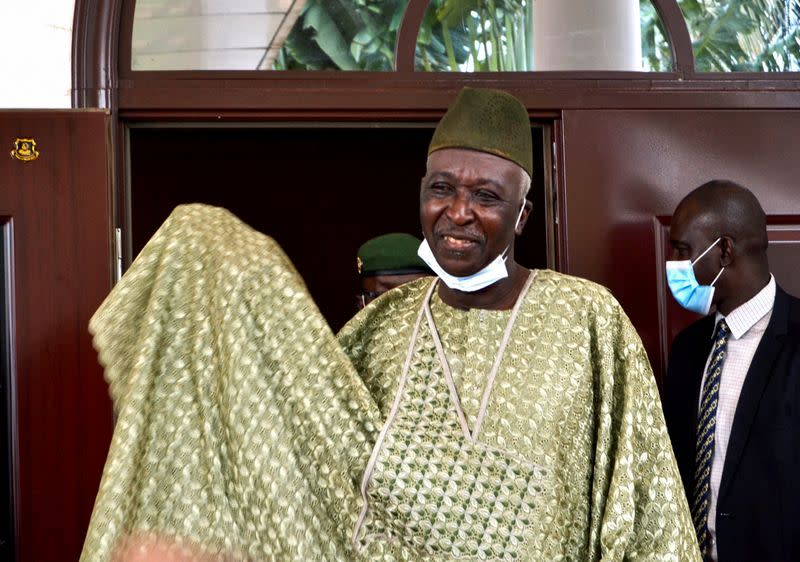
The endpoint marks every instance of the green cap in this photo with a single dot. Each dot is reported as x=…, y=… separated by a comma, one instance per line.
x=488, y=121
x=391, y=254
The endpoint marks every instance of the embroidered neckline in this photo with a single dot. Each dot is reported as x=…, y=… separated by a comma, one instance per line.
x=471, y=434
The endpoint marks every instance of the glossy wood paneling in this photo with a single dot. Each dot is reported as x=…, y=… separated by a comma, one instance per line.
x=625, y=168
x=784, y=252
x=59, y=212
x=8, y=415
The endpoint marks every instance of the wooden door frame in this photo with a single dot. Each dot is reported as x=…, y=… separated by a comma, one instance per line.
x=7, y=370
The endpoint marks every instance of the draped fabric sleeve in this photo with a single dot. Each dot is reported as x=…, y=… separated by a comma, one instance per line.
x=242, y=428
x=639, y=510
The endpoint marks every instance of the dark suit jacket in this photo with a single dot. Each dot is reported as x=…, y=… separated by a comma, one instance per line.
x=758, y=510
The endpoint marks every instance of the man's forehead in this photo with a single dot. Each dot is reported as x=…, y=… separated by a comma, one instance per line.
x=691, y=220
x=463, y=160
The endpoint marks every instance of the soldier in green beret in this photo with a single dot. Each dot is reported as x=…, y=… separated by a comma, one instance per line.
x=386, y=262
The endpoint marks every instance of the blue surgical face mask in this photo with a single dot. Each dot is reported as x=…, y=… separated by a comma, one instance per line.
x=690, y=294
x=492, y=273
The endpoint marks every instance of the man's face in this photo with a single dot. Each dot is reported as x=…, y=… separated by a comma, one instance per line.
x=469, y=202
x=691, y=233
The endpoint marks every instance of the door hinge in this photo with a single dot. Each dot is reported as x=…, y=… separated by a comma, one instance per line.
x=117, y=254
x=554, y=158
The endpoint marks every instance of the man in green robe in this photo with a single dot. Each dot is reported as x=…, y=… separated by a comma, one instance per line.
x=521, y=418
x=491, y=413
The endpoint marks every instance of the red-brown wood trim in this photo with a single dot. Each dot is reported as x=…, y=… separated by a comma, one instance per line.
x=126, y=38
x=334, y=117
x=660, y=232
x=8, y=303
x=560, y=187
x=678, y=36
x=95, y=31
x=396, y=98
x=406, y=47
x=96, y=36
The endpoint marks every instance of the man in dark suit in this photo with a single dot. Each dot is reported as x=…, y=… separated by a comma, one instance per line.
x=732, y=390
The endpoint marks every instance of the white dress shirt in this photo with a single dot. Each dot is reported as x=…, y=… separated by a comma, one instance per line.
x=747, y=324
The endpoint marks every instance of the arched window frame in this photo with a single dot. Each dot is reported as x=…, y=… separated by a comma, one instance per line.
x=102, y=77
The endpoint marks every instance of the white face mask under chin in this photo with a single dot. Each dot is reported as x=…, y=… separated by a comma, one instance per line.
x=492, y=273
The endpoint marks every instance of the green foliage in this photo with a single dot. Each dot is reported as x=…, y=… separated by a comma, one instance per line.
x=343, y=35
x=456, y=35
x=656, y=52
x=476, y=35
x=496, y=35
x=744, y=35
x=732, y=35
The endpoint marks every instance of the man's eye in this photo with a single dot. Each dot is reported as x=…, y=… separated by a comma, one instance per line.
x=486, y=196
x=439, y=187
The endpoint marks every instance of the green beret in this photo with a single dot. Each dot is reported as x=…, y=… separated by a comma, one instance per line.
x=391, y=254
x=489, y=121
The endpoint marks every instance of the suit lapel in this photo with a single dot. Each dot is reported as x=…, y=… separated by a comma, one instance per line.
x=758, y=375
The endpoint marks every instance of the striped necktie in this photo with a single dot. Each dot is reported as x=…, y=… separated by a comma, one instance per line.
x=706, y=426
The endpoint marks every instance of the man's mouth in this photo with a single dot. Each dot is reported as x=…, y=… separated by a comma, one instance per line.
x=456, y=243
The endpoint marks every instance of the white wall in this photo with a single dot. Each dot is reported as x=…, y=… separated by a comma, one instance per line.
x=35, y=53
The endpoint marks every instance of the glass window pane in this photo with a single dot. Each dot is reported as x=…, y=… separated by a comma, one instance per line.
x=744, y=35
x=343, y=35
x=520, y=35
x=210, y=34
x=265, y=34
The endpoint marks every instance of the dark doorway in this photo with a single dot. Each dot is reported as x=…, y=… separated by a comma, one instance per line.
x=318, y=191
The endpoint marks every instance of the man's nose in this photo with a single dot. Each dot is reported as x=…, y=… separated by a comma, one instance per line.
x=460, y=209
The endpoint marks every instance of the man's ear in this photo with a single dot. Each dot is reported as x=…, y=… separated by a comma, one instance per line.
x=727, y=251
x=524, y=218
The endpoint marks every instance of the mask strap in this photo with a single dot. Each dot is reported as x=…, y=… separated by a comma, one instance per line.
x=516, y=224
x=519, y=216
x=717, y=277
x=707, y=250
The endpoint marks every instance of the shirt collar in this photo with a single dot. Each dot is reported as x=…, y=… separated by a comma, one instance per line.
x=741, y=319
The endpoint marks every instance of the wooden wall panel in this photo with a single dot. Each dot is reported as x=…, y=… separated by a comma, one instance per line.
x=623, y=169
x=784, y=252
x=58, y=208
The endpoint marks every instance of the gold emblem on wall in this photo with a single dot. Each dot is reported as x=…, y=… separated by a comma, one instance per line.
x=25, y=150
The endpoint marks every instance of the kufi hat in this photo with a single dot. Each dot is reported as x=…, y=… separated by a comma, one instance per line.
x=488, y=121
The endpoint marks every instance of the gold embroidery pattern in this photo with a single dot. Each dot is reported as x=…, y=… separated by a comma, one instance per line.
x=574, y=395
x=436, y=490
